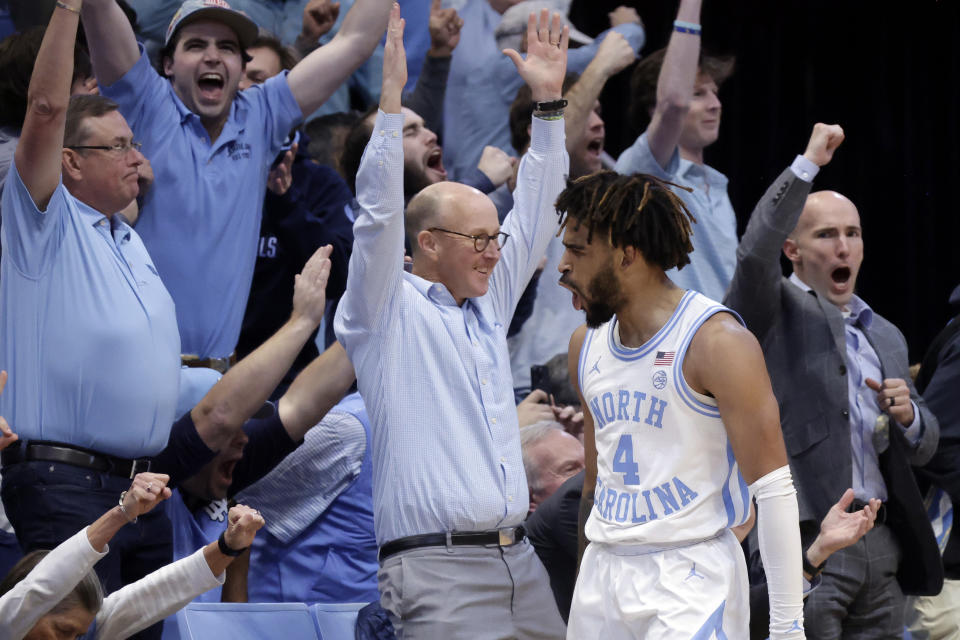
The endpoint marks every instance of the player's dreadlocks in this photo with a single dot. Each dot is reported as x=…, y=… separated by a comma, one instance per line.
x=637, y=211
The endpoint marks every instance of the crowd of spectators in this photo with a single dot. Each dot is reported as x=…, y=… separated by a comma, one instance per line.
x=283, y=276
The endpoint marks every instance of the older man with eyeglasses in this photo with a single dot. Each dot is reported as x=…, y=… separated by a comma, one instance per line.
x=430, y=351
x=88, y=331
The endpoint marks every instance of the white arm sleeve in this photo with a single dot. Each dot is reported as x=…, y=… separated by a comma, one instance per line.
x=778, y=528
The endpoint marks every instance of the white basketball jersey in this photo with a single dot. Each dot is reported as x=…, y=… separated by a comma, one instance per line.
x=665, y=470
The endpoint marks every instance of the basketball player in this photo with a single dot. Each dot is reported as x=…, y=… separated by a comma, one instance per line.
x=681, y=413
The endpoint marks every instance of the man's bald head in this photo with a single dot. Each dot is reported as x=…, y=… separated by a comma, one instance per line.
x=441, y=204
x=826, y=247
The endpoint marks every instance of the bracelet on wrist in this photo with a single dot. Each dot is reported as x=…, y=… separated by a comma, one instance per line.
x=226, y=549
x=809, y=569
x=681, y=26
x=552, y=110
x=123, y=509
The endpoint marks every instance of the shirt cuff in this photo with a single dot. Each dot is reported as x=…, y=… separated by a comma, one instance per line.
x=915, y=429
x=387, y=122
x=546, y=136
x=804, y=169
x=88, y=550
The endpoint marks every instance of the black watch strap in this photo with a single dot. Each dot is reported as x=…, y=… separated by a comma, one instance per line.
x=809, y=568
x=225, y=548
x=546, y=107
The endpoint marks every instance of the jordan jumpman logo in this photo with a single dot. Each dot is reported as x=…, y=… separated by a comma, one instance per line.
x=694, y=573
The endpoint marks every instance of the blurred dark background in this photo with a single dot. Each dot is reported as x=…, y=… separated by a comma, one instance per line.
x=888, y=73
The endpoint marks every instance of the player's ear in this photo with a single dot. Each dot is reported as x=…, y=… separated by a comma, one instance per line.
x=628, y=256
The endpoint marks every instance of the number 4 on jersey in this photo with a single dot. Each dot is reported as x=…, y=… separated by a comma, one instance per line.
x=623, y=461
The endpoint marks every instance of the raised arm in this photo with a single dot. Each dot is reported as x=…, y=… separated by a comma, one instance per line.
x=376, y=263
x=320, y=386
x=755, y=289
x=725, y=361
x=113, y=45
x=245, y=387
x=543, y=169
x=38, y=155
x=675, y=86
x=613, y=55
x=170, y=588
x=60, y=571
x=318, y=75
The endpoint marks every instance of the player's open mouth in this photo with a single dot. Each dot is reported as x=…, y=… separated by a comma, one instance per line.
x=595, y=146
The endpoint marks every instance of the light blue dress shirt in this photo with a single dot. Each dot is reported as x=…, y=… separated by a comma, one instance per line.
x=436, y=376
x=88, y=332
x=483, y=84
x=201, y=218
x=714, y=256
x=862, y=363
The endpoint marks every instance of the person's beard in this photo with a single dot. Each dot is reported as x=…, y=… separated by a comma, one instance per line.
x=604, y=298
x=414, y=180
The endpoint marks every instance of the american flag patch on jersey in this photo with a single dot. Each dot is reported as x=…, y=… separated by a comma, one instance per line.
x=664, y=358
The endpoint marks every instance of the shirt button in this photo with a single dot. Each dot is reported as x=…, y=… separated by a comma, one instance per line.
x=476, y=344
x=845, y=413
x=503, y=459
x=494, y=421
x=394, y=134
x=484, y=381
x=509, y=498
x=383, y=132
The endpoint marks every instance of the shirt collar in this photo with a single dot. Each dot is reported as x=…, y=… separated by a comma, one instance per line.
x=691, y=170
x=858, y=312
x=437, y=293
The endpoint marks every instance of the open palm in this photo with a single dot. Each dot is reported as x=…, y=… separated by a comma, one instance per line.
x=546, y=62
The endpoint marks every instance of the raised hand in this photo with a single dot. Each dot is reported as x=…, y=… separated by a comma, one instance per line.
x=496, y=164
x=823, y=142
x=7, y=436
x=546, y=62
x=319, y=16
x=624, y=15
x=243, y=524
x=394, y=63
x=310, y=286
x=146, y=491
x=614, y=54
x=444, y=28
x=281, y=177
x=893, y=398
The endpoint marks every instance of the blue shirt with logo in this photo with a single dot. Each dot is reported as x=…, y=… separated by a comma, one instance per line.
x=201, y=218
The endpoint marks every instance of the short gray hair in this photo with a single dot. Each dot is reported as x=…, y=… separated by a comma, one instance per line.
x=530, y=435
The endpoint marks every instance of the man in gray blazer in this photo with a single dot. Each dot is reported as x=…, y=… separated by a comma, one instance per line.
x=849, y=412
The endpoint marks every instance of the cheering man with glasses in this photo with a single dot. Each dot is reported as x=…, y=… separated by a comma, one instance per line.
x=88, y=331
x=430, y=351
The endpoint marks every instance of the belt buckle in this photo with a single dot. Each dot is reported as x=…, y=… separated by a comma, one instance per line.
x=507, y=536
x=139, y=466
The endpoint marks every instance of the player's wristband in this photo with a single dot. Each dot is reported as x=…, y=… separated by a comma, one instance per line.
x=809, y=569
x=225, y=549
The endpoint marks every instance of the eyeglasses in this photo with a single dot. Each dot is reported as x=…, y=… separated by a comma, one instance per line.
x=120, y=148
x=480, y=241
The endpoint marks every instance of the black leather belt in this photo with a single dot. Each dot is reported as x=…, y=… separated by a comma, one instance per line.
x=40, y=451
x=493, y=538
x=858, y=504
